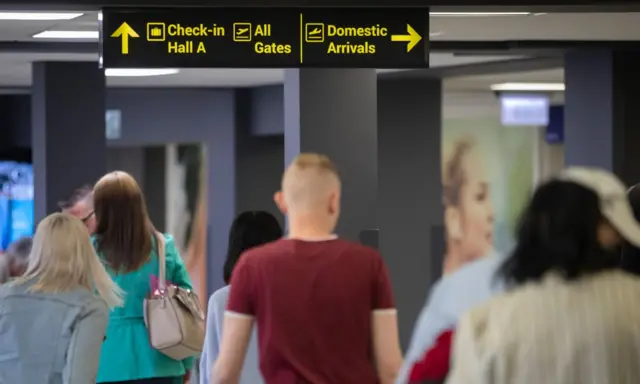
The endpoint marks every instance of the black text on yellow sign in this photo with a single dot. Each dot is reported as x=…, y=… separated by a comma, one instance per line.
x=273, y=37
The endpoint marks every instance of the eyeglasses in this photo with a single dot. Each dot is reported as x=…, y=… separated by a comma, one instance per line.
x=87, y=217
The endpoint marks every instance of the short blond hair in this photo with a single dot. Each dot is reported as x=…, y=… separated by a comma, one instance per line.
x=309, y=179
x=62, y=258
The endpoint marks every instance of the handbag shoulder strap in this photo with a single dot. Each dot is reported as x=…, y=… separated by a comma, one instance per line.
x=162, y=263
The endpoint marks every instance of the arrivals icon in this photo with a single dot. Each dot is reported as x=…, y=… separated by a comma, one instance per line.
x=314, y=32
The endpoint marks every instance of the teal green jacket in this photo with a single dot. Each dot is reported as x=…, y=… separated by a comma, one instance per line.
x=126, y=352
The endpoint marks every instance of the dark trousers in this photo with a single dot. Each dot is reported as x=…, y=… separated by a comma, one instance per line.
x=163, y=380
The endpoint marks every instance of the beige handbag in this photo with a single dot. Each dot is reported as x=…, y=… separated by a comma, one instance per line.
x=173, y=315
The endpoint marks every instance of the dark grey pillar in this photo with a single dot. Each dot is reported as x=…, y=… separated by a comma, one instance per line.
x=68, y=130
x=221, y=189
x=259, y=158
x=409, y=190
x=154, y=184
x=333, y=112
x=601, y=115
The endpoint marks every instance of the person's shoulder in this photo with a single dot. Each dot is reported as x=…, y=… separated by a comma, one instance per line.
x=218, y=301
x=168, y=239
x=169, y=243
x=622, y=285
x=264, y=252
x=85, y=298
x=95, y=304
x=356, y=250
x=477, y=318
x=621, y=277
x=9, y=289
x=171, y=251
x=481, y=272
x=220, y=296
x=94, y=242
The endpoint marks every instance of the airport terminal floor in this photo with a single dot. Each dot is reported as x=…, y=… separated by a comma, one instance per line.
x=417, y=185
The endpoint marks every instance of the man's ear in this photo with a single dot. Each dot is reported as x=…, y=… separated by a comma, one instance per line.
x=452, y=223
x=334, y=203
x=278, y=198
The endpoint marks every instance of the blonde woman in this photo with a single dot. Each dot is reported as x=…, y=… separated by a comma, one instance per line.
x=53, y=318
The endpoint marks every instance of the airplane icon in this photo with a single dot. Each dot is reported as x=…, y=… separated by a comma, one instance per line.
x=314, y=32
x=242, y=32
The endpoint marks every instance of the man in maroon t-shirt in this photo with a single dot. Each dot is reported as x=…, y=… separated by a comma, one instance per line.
x=323, y=306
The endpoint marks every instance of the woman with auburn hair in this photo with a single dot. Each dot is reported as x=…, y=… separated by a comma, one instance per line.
x=53, y=318
x=125, y=240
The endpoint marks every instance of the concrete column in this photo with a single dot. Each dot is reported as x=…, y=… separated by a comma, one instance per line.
x=259, y=154
x=601, y=114
x=68, y=130
x=409, y=190
x=221, y=190
x=333, y=112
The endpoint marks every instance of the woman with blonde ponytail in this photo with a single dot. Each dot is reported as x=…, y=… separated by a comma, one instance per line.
x=53, y=318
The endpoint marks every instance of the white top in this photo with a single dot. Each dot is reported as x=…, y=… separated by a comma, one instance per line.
x=553, y=332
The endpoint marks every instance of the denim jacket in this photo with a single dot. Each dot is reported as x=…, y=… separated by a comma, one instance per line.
x=52, y=338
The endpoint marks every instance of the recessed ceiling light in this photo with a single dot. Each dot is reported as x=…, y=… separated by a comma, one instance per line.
x=139, y=72
x=34, y=16
x=478, y=14
x=434, y=34
x=89, y=35
x=532, y=87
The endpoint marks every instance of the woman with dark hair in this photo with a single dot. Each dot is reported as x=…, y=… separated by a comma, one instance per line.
x=250, y=229
x=630, y=253
x=567, y=317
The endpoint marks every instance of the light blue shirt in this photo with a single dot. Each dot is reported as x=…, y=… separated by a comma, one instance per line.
x=52, y=338
x=215, y=317
x=450, y=298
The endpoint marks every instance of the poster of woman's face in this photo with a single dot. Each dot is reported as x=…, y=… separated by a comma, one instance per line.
x=468, y=210
x=476, y=188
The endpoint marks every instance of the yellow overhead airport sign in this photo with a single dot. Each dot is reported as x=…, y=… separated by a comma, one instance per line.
x=277, y=37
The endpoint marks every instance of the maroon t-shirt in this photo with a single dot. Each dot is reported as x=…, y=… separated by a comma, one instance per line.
x=313, y=302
